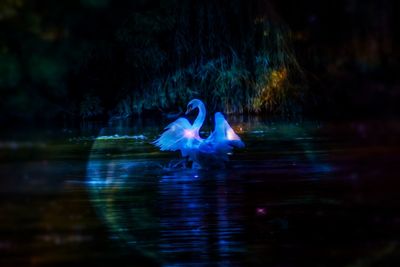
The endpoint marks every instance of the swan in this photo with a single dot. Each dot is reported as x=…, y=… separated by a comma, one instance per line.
x=184, y=136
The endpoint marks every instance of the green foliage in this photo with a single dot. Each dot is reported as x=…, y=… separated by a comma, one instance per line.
x=9, y=71
x=95, y=3
x=236, y=69
x=41, y=49
x=9, y=8
x=90, y=107
x=143, y=55
x=47, y=70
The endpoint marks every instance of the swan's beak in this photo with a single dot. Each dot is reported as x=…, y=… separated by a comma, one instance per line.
x=188, y=111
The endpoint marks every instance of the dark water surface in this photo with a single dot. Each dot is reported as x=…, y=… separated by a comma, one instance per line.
x=299, y=194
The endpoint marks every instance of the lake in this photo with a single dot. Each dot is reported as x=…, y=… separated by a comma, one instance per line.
x=299, y=194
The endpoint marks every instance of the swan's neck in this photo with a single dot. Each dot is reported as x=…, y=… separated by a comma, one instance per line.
x=200, y=117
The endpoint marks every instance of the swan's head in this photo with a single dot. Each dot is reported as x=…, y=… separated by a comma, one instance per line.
x=195, y=103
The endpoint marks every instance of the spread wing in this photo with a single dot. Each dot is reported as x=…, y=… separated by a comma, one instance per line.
x=224, y=138
x=178, y=135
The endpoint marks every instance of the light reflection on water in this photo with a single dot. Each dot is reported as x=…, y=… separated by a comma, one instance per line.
x=187, y=217
x=175, y=215
x=297, y=195
x=197, y=218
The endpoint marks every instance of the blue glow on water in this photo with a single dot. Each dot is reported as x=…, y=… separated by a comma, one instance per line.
x=190, y=217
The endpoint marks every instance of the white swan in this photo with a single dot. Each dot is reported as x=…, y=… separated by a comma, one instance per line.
x=183, y=136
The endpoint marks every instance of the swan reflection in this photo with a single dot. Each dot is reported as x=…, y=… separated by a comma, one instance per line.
x=179, y=216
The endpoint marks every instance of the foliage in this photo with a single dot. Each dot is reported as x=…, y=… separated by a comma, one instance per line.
x=236, y=68
x=90, y=107
x=144, y=55
x=9, y=71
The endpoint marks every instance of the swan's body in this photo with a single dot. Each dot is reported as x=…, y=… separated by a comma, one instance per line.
x=184, y=136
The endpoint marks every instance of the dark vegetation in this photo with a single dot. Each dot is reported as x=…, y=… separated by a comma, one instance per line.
x=92, y=59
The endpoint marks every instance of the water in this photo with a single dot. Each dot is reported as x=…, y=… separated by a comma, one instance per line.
x=299, y=194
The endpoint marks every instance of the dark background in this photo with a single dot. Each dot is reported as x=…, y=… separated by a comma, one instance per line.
x=311, y=193
x=98, y=59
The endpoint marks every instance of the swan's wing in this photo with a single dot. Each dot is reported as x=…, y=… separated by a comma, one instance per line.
x=224, y=137
x=178, y=135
